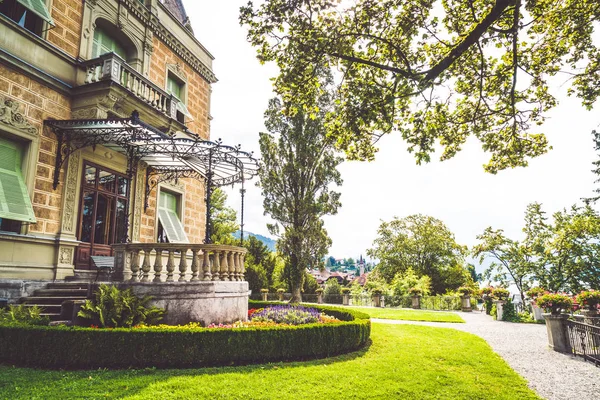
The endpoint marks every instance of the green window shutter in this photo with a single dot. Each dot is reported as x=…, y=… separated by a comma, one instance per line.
x=15, y=203
x=103, y=44
x=38, y=7
x=167, y=215
x=174, y=87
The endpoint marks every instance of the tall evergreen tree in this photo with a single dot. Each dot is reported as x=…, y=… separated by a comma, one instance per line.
x=298, y=166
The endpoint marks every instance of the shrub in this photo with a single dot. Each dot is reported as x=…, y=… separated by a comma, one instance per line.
x=182, y=347
x=263, y=290
x=489, y=304
x=113, y=308
x=22, y=314
x=535, y=292
x=555, y=302
x=589, y=298
x=509, y=313
x=415, y=291
x=345, y=290
x=494, y=311
x=280, y=290
x=465, y=291
x=500, y=293
x=486, y=291
x=377, y=291
x=333, y=290
x=319, y=291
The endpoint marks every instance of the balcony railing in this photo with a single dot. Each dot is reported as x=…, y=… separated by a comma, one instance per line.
x=111, y=67
x=179, y=262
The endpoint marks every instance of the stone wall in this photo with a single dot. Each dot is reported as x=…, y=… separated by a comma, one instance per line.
x=198, y=89
x=66, y=35
x=38, y=102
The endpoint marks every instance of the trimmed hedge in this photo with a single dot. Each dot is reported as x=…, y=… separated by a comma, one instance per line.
x=82, y=348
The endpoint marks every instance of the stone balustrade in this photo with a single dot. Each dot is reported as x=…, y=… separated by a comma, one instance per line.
x=178, y=262
x=112, y=67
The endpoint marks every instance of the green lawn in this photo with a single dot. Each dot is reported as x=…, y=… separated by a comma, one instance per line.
x=403, y=362
x=407, y=314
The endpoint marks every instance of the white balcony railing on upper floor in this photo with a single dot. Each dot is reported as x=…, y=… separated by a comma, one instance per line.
x=112, y=67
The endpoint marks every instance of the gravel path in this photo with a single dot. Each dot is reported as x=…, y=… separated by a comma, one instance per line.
x=552, y=375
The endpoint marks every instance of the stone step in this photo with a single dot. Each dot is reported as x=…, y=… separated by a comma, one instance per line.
x=52, y=308
x=49, y=300
x=66, y=292
x=67, y=285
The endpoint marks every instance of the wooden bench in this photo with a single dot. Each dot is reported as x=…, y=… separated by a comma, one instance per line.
x=103, y=263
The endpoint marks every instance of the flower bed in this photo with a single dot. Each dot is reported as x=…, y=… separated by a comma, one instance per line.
x=183, y=346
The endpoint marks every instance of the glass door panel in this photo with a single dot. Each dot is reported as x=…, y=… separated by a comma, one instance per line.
x=105, y=209
x=87, y=216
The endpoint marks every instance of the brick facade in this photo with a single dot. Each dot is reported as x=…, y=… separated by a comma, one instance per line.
x=198, y=89
x=38, y=103
x=66, y=35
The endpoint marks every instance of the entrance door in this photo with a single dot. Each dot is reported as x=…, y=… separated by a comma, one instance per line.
x=103, y=216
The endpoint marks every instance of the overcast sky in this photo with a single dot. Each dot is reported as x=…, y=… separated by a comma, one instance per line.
x=457, y=191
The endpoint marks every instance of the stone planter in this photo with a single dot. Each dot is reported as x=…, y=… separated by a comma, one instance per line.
x=466, y=303
x=558, y=337
x=499, y=309
x=264, y=296
x=346, y=299
x=416, y=302
x=280, y=296
x=537, y=312
x=377, y=300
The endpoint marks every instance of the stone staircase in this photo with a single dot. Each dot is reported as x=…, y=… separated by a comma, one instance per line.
x=51, y=298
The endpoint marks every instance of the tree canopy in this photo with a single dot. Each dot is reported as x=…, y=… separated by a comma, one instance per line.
x=562, y=254
x=424, y=244
x=437, y=71
x=223, y=219
x=297, y=168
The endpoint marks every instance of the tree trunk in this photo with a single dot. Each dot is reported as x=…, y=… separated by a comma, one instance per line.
x=296, y=295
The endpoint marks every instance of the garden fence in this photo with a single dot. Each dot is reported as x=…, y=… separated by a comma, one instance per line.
x=584, y=340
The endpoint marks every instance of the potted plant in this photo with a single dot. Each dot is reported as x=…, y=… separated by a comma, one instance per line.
x=486, y=295
x=319, y=292
x=533, y=294
x=280, y=293
x=589, y=300
x=500, y=295
x=264, y=294
x=377, y=295
x=416, y=294
x=346, y=296
x=557, y=304
x=465, y=294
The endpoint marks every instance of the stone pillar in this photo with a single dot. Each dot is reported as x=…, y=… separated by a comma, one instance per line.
x=558, y=337
x=466, y=303
x=264, y=296
x=346, y=299
x=320, y=298
x=416, y=302
x=499, y=310
x=591, y=317
x=280, y=295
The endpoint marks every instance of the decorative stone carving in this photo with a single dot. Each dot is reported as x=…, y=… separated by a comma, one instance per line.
x=65, y=255
x=10, y=115
x=140, y=183
x=70, y=200
x=85, y=113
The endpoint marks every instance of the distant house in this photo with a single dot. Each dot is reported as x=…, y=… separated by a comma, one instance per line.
x=362, y=279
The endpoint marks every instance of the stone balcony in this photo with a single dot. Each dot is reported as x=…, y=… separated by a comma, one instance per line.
x=109, y=87
x=192, y=282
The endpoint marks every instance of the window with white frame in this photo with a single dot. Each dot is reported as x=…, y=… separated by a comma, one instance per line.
x=170, y=228
x=176, y=87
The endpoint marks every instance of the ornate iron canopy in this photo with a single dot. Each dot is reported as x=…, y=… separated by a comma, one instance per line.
x=169, y=157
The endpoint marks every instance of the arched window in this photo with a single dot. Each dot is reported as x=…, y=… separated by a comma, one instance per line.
x=105, y=43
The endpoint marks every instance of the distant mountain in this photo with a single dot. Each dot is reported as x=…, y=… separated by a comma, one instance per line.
x=270, y=243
